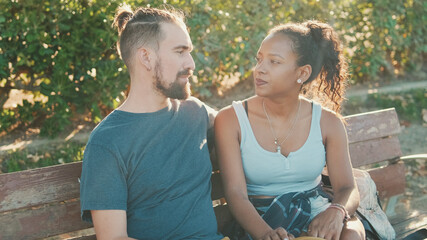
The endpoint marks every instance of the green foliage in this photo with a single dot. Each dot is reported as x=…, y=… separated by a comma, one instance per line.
x=384, y=37
x=7, y=119
x=409, y=105
x=27, y=159
x=65, y=50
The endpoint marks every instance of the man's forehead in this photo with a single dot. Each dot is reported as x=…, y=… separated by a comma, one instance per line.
x=175, y=35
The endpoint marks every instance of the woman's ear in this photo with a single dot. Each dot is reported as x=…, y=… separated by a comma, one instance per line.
x=143, y=56
x=304, y=72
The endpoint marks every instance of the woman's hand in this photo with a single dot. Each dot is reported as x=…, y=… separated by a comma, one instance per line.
x=328, y=224
x=278, y=233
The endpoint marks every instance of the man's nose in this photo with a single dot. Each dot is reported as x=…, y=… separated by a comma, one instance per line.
x=189, y=63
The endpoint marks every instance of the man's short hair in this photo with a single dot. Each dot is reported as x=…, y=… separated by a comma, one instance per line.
x=142, y=28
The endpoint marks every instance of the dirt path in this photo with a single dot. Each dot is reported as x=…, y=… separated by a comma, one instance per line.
x=363, y=91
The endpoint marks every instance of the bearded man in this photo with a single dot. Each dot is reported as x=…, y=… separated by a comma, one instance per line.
x=146, y=168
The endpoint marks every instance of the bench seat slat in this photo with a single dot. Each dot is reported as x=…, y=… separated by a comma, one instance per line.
x=376, y=124
x=43, y=221
x=374, y=151
x=39, y=186
x=407, y=224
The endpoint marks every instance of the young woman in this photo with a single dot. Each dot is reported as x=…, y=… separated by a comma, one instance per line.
x=273, y=146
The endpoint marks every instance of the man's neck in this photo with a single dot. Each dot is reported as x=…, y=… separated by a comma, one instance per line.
x=144, y=99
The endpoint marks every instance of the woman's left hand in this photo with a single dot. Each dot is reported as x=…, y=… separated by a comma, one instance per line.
x=327, y=224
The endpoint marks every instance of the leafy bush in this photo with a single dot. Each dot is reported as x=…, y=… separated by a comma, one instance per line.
x=409, y=105
x=384, y=37
x=65, y=50
x=28, y=159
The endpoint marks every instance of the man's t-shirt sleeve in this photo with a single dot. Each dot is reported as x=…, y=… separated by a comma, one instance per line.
x=103, y=181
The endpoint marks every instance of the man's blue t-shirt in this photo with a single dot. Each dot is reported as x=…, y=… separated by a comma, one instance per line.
x=156, y=167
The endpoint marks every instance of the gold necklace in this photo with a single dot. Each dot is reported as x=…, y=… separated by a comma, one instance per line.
x=276, y=140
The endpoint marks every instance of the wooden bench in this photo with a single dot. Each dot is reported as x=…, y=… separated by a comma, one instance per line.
x=44, y=202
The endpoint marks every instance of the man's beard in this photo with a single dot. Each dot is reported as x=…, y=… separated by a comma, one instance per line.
x=175, y=90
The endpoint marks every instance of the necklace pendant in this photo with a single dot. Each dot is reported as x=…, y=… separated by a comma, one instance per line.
x=278, y=149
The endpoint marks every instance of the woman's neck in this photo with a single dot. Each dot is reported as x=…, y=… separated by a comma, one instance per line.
x=281, y=108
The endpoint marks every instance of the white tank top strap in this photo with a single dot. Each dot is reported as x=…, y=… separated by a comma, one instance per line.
x=245, y=125
x=316, y=132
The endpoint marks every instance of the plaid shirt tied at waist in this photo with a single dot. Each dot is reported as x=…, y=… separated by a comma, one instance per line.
x=290, y=211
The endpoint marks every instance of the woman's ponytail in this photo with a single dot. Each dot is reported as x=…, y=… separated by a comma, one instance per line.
x=332, y=72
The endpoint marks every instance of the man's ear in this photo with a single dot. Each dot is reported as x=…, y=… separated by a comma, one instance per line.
x=304, y=72
x=143, y=56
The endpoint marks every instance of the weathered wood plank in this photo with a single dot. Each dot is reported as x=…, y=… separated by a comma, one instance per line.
x=374, y=151
x=38, y=186
x=390, y=180
x=44, y=221
x=92, y=237
x=85, y=234
x=371, y=125
x=409, y=223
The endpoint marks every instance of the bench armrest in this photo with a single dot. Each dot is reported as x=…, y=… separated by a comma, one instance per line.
x=414, y=156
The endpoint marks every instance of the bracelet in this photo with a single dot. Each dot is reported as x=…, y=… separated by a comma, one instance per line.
x=343, y=210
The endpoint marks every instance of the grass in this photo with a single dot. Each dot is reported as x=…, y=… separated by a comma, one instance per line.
x=409, y=105
x=19, y=160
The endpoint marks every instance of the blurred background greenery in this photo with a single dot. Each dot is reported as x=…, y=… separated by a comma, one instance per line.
x=62, y=53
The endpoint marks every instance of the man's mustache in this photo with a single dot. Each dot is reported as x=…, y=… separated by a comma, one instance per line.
x=185, y=72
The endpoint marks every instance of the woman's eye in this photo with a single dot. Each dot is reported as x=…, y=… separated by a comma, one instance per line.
x=274, y=62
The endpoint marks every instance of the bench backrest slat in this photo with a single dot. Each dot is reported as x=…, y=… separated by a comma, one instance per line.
x=39, y=186
x=40, y=202
x=390, y=180
x=372, y=125
x=42, y=221
x=372, y=137
x=374, y=151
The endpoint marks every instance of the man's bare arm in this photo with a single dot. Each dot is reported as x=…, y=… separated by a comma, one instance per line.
x=110, y=224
